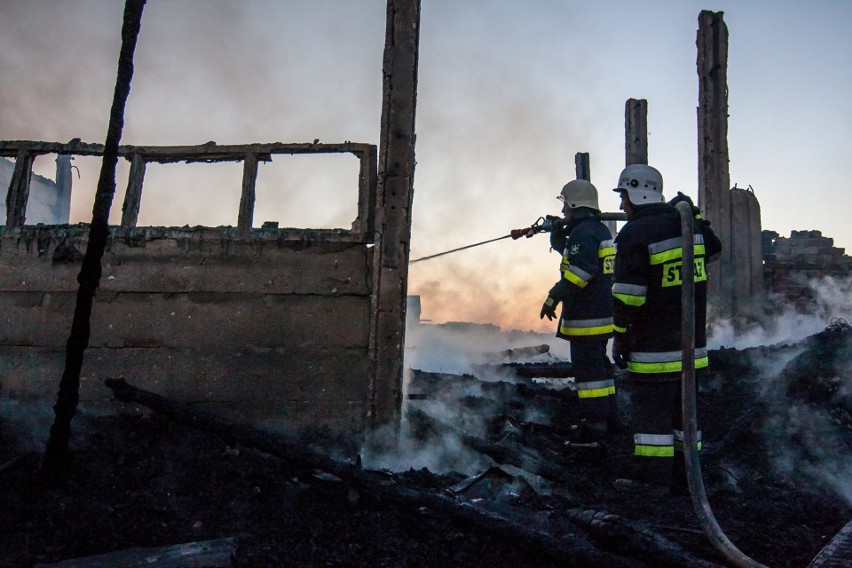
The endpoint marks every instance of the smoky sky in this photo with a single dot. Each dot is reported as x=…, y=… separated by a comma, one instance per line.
x=508, y=93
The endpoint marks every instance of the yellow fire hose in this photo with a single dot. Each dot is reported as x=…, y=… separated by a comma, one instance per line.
x=689, y=405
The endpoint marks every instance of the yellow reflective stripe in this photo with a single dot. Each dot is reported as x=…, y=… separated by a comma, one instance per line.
x=667, y=367
x=654, y=451
x=671, y=249
x=596, y=393
x=630, y=300
x=603, y=252
x=666, y=256
x=574, y=279
x=618, y=329
x=653, y=445
x=586, y=331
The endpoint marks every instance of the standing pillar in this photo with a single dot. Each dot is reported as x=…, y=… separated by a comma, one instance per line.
x=636, y=132
x=394, y=194
x=714, y=182
x=582, y=166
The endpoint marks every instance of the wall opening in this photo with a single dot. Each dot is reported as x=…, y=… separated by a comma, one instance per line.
x=307, y=190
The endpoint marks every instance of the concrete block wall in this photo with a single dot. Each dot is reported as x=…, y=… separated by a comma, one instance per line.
x=274, y=330
x=789, y=262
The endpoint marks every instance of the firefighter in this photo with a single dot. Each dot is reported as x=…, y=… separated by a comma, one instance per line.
x=584, y=290
x=647, y=337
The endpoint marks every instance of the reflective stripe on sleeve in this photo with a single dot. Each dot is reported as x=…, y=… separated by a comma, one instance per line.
x=577, y=276
x=606, y=248
x=630, y=294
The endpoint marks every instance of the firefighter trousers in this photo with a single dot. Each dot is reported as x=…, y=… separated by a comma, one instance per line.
x=657, y=427
x=594, y=379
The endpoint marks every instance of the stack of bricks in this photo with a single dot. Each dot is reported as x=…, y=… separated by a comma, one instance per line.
x=790, y=262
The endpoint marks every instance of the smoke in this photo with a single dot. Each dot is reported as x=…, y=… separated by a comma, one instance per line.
x=457, y=348
x=807, y=435
x=454, y=350
x=830, y=298
x=808, y=444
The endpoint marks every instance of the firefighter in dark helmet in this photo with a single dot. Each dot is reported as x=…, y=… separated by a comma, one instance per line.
x=584, y=290
x=647, y=338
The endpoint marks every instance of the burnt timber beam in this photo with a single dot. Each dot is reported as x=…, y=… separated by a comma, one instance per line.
x=165, y=154
x=394, y=196
x=19, y=189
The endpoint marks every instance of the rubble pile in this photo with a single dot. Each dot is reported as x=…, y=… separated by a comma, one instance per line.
x=776, y=429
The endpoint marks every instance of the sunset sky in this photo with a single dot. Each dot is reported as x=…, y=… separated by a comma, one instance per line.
x=508, y=92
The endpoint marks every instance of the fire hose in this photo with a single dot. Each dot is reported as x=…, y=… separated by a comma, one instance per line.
x=689, y=405
x=542, y=225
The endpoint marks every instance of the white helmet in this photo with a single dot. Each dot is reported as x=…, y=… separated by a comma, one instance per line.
x=642, y=183
x=579, y=193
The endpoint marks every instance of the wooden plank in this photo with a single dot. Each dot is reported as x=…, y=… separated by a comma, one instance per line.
x=207, y=152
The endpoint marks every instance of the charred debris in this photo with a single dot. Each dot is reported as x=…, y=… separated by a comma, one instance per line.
x=777, y=431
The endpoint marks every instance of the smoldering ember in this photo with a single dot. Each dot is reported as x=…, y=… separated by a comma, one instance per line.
x=208, y=414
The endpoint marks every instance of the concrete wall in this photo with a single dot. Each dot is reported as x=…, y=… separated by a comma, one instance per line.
x=271, y=330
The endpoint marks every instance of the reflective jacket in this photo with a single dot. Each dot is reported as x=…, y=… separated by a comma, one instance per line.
x=647, y=289
x=585, y=283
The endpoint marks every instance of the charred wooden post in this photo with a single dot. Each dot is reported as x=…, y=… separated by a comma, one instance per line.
x=736, y=282
x=19, y=189
x=56, y=451
x=636, y=132
x=394, y=197
x=133, y=195
x=582, y=166
x=714, y=199
x=247, y=198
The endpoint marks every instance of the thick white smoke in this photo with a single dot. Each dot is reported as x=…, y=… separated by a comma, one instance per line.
x=832, y=300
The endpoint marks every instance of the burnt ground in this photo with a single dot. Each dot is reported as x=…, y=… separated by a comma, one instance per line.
x=776, y=427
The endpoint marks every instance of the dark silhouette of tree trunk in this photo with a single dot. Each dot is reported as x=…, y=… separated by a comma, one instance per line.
x=56, y=452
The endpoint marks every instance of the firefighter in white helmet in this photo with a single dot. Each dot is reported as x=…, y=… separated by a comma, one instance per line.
x=647, y=338
x=584, y=290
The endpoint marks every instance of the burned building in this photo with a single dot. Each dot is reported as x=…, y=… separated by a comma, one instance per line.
x=295, y=328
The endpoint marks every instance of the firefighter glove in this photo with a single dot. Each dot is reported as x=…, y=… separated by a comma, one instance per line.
x=620, y=351
x=683, y=197
x=548, y=308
